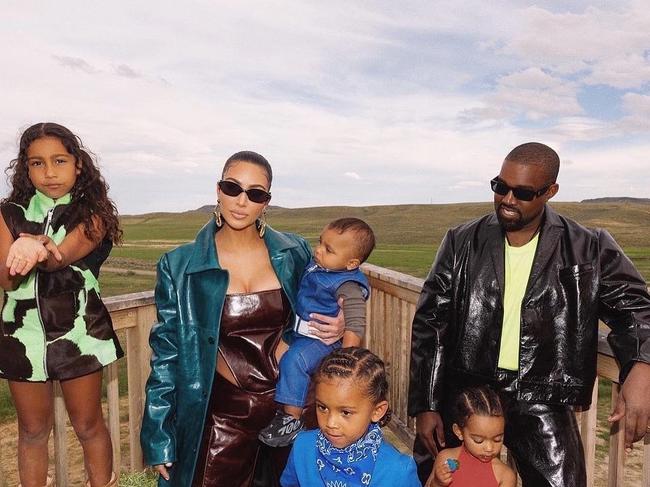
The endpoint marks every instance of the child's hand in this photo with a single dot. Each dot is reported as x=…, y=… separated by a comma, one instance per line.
x=48, y=243
x=24, y=254
x=441, y=475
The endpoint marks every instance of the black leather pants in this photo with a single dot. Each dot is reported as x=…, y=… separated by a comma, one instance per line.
x=543, y=439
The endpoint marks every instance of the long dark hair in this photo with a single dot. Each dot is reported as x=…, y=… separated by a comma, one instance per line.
x=89, y=186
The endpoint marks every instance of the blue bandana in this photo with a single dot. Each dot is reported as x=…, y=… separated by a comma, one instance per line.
x=351, y=466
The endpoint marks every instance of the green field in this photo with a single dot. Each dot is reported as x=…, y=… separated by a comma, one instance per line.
x=407, y=236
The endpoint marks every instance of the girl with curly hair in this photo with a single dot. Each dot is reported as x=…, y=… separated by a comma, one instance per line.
x=57, y=227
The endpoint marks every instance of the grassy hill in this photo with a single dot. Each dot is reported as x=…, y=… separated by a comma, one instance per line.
x=407, y=235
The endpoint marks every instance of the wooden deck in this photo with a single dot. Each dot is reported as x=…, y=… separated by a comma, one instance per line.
x=391, y=309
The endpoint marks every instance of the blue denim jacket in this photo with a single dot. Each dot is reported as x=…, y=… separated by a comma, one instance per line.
x=317, y=291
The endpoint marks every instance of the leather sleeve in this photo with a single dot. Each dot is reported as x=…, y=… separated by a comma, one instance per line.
x=430, y=324
x=158, y=435
x=624, y=305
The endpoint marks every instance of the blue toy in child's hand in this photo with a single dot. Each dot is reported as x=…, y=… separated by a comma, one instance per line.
x=453, y=464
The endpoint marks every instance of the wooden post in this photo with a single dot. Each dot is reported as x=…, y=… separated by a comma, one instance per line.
x=3, y=480
x=137, y=363
x=60, y=443
x=113, y=401
x=134, y=372
x=616, y=446
x=588, y=420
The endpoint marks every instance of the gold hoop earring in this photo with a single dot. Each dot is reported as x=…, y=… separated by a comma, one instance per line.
x=261, y=224
x=217, y=216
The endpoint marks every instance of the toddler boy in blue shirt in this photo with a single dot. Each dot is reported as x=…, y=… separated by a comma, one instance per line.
x=332, y=274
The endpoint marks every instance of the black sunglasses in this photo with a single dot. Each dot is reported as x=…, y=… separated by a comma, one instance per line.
x=231, y=188
x=522, y=194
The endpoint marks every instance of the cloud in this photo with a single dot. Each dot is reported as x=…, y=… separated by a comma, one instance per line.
x=126, y=71
x=468, y=184
x=419, y=100
x=532, y=94
x=76, y=63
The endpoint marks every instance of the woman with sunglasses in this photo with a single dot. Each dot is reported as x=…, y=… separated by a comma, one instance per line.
x=223, y=303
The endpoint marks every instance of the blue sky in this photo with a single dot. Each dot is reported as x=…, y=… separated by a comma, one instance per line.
x=353, y=103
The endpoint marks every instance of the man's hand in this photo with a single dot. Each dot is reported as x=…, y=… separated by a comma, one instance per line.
x=633, y=403
x=429, y=428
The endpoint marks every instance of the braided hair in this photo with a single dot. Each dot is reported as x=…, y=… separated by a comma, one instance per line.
x=362, y=366
x=481, y=400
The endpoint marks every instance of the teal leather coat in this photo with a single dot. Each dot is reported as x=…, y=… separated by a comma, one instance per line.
x=190, y=293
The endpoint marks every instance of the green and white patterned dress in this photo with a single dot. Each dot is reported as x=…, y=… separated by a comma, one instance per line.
x=55, y=325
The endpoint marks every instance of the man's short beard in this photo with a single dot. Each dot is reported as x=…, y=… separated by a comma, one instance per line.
x=513, y=225
x=510, y=225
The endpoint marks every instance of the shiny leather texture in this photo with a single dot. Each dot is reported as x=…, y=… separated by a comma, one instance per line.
x=545, y=442
x=230, y=454
x=190, y=293
x=251, y=327
x=579, y=276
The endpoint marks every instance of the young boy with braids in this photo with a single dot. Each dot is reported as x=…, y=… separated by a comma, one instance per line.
x=349, y=449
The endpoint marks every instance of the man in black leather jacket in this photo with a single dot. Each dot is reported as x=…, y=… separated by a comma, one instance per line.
x=513, y=300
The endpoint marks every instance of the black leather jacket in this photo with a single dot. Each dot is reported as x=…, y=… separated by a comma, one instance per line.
x=579, y=276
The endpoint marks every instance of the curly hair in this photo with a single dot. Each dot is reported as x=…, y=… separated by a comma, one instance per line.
x=90, y=188
x=361, y=365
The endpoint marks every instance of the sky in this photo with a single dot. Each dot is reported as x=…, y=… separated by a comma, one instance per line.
x=353, y=102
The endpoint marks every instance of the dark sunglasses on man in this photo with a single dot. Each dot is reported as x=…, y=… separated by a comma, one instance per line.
x=230, y=188
x=522, y=194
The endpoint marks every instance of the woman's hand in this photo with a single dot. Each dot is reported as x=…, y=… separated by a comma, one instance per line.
x=24, y=254
x=162, y=469
x=329, y=329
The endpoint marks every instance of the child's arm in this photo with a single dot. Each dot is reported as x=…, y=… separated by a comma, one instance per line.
x=350, y=339
x=14, y=265
x=504, y=474
x=75, y=246
x=441, y=473
x=354, y=310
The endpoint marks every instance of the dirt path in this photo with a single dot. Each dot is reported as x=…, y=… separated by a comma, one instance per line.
x=124, y=270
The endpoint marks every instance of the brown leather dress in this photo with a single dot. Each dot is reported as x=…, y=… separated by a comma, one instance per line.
x=230, y=454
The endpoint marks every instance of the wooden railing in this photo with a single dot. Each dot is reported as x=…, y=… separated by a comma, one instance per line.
x=391, y=309
x=133, y=315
